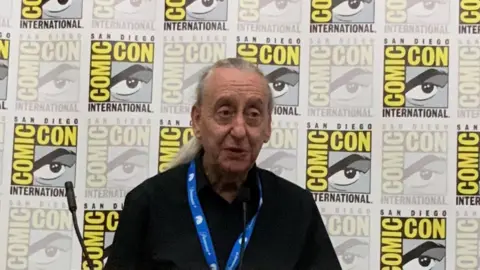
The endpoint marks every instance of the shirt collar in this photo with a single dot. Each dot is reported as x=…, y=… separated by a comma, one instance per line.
x=202, y=180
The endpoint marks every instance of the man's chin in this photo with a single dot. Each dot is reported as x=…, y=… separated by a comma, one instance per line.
x=235, y=166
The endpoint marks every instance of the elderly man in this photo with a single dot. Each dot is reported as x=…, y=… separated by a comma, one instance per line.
x=214, y=209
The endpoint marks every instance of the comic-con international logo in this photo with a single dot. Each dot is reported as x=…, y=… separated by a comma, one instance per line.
x=117, y=156
x=467, y=240
x=121, y=74
x=468, y=78
x=48, y=76
x=44, y=156
x=270, y=16
x=184, y=60
x=349, y=230
x=279, y=154
x=173, y=135
x=469, y=17
x=340, y=77
x=338, y=162
x=133, y=15
x=4, y=67
x=467, y=165
x=196, y=15
x=39, y=236
x=100, y=222
x=51, y=14
x=414, y=164
x=417, y=16
x=416, y=78
x=413, y=239
x=6, y=13
x=342, y=16
x=279, y=59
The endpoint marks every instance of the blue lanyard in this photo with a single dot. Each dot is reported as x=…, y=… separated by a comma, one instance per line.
x=202, y=227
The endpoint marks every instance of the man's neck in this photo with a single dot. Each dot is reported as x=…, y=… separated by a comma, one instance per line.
x=224, y=184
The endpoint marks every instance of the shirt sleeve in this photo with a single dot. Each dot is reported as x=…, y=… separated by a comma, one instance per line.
x=128, y=244
x=318, y=251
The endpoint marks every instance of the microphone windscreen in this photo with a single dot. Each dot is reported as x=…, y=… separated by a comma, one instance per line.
x=68, y=185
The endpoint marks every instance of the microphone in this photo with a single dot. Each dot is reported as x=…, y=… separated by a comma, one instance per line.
x=244, y=197
x=72, y=206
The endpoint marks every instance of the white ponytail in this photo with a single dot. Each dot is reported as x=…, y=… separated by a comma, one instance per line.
x=186, y=153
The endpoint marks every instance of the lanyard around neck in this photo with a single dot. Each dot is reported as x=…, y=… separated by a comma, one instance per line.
x=201, y=225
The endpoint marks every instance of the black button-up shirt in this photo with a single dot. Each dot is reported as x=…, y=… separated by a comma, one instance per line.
x=156, y=229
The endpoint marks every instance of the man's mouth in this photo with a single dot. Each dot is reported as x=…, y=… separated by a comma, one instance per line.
x=235, y=150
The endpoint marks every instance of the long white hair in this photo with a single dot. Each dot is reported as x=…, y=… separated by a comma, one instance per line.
x=189, y=150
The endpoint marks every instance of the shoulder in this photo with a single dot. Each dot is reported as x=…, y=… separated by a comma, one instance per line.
x=284, y=188
x=160, y=184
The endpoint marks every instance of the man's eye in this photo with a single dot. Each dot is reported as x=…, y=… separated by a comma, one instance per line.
x=254, y=114
x=224, y=112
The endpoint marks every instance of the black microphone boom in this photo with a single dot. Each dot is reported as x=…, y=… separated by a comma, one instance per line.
x=244, y=197
x=72, y=206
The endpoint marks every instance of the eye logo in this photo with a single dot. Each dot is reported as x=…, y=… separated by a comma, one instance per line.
x=281, y=163
x=353, y=254
x=51, y=14
x=209, y=15
x=416, y=80
x=425, y=86
x=48, y=170
x=347, y=171
x=349, y=16
x=129, y=81
x=339, y=162
x=280, y=80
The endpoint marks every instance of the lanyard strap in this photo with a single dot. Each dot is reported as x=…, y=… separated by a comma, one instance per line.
x=202, y=226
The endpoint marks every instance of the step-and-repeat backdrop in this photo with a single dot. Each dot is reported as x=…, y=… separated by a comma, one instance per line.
x=376, y=115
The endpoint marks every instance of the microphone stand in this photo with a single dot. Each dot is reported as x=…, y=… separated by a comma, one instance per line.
x=72, y=206
x=244, y=196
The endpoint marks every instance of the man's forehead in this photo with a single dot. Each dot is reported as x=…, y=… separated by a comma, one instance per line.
x=225, y=75
x=231, y=79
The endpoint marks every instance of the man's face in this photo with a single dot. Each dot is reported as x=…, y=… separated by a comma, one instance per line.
x=233, y=121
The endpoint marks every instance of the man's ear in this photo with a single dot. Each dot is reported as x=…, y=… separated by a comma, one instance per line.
x=195, y=116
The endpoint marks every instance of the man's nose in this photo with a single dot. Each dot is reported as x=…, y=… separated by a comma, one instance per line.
x=238, y=127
